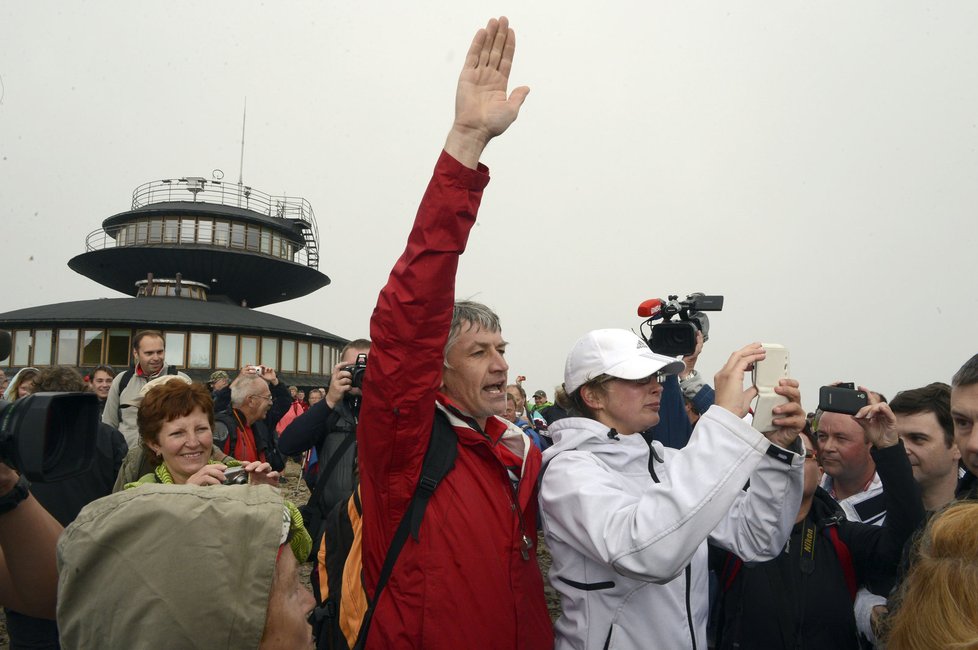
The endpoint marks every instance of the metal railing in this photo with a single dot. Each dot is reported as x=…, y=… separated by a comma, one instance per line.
x=140, y=234
x=201, y=190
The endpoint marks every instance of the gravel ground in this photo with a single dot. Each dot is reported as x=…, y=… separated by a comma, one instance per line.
x=296, y=491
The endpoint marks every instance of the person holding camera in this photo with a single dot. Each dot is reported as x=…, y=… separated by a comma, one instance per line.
x=627, y=523
x=804, y=596
x=327, y=432
x=28, y=535
x=64, y=498
x=246, y=428
x=176, y=421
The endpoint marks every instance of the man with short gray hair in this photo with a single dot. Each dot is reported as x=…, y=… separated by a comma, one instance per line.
x=439, y=365
x=246, y=431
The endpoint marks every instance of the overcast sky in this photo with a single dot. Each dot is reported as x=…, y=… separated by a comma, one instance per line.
x=814, y=162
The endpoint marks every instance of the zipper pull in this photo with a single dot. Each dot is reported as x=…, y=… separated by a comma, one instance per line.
x=525, y=547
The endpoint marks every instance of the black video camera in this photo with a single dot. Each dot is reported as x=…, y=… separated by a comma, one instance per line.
x=357, y=370
x=49, y=436
x=677, y=337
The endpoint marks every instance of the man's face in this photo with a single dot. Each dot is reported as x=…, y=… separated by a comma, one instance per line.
x=510, y=410
x=813, y=473
x=964, y=412
x=842, y=447
x=258, y=404
x=474, y=377
x=289, y=605
x=930, y=457
x=314, y=396
x=514, y=391
x=539, y=399
x=101, y=383
x=150, y=354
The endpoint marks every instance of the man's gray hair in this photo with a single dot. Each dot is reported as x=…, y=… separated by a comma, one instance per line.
x=476, y=315
x=967, y=374
x=243, y=387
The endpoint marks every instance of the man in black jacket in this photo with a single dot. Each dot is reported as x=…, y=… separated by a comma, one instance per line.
x=330, y=427
x=64, y=499
x=804, y=597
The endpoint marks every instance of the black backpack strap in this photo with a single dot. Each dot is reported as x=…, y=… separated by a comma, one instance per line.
x=438, y=461
x=126, y=378
x=334, y=460
x=227, y=419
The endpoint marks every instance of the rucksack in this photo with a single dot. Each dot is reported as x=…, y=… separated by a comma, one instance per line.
x=226, y=437
x=127, y=377
x=342, y=619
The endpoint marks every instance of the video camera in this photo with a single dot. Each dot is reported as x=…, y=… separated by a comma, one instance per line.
x=677, y=337
x=48, y=436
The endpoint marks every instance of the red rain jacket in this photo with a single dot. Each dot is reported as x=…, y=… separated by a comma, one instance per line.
x=466, y=583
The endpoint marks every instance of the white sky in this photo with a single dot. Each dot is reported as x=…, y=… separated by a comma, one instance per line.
x=815, y=162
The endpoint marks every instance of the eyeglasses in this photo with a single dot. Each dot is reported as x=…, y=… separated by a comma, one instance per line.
x=265, y=397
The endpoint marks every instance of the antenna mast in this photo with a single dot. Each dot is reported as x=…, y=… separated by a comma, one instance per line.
x=244, y=118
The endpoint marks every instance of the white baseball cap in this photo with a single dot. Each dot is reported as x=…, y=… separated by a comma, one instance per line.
x=614, y=352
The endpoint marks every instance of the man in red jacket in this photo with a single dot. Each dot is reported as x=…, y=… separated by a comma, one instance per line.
x=471, y=579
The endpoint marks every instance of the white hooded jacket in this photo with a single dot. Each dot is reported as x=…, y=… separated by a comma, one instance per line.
x=629, y=549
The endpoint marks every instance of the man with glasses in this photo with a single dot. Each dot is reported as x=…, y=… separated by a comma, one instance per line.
x=246, y=432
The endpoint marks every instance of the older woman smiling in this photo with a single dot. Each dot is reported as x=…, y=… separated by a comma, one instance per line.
x=176, y=422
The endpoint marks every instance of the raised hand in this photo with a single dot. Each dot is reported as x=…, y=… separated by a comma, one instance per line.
x=729, y=381
x=790, y=417
x=482, y=108
x=877, y=421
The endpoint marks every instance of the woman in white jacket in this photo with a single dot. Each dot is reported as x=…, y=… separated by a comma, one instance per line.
x=629, y=536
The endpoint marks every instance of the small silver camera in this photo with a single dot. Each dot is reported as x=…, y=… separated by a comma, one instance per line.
x=235, y=476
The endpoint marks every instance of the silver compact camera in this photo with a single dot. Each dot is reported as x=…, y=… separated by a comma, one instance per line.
x=235, y=476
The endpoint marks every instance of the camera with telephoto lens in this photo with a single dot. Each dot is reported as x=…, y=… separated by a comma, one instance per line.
x=235, y=476
x=48, y=436
x=677, y=337
x=357, y=370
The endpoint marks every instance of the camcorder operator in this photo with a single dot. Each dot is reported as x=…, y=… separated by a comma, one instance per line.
x=683, y=329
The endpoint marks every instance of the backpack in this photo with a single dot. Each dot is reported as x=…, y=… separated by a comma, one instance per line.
x=226, y=437
x=341, y=621
x=127, y=377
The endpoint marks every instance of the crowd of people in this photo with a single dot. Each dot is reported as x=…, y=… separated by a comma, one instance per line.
x=671, y=521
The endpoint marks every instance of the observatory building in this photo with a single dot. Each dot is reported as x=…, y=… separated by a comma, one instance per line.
x=195, y=256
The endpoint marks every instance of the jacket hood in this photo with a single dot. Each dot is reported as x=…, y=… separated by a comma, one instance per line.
x=170, y=566
x=585, y=434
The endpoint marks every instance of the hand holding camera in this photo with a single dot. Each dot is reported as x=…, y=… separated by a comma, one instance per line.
x=344, y=378
x=729, y=381
x=877, y=421
x=254, y=473
x=767, y=374
x=789, y=417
